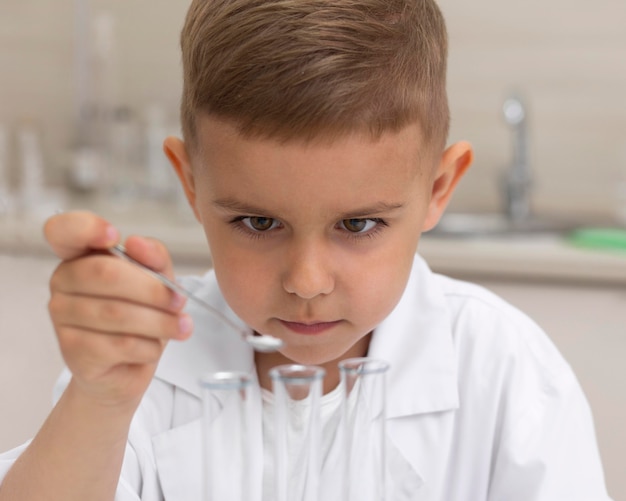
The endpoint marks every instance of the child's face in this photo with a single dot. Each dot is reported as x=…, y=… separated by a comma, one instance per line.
x=312, y=243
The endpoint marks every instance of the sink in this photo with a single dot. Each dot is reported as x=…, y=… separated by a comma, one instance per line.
x=499, y=225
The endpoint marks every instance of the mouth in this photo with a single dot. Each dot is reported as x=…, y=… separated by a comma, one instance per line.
x=309, y=328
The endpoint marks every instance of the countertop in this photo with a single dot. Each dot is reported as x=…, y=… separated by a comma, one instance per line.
x=529, y=258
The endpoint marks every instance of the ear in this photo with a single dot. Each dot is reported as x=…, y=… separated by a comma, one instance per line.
x=455, y=161
x=177, y=154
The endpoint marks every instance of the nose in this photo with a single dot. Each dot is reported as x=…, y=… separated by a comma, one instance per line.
x=308, y=272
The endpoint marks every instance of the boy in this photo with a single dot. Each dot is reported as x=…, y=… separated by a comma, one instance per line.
x=313, y=158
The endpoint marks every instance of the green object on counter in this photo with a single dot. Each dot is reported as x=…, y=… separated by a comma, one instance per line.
x=600, y=238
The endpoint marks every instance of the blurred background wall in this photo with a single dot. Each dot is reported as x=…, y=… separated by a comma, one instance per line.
x=566, y=57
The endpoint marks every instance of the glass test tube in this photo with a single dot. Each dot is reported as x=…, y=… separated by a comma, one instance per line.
x=363, y=428
x=297, y=458
x=227, y=413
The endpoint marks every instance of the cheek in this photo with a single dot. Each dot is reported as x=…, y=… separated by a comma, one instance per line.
x=235, y=274
x=244, y=284
x=376, y=291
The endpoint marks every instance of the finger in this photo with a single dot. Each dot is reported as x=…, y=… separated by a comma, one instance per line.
x=108, y=277
x=98, y=359
x=73, y=234
x=150, y=252
x=92, y=354
x=117, y=317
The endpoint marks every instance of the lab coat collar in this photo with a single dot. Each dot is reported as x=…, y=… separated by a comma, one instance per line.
x=179, y=458
x=416, y=340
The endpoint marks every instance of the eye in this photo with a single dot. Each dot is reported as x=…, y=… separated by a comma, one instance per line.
x=359, y=225
x=259, y=223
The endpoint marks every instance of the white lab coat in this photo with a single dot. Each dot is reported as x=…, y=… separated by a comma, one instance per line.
x=481, y=406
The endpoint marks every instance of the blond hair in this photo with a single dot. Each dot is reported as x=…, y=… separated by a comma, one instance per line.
x=300, y=69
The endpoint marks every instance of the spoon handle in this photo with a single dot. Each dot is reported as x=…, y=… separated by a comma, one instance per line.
x=119, y=251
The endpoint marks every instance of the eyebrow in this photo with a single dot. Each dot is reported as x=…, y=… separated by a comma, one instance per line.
x=233, y=205
x=369, y=210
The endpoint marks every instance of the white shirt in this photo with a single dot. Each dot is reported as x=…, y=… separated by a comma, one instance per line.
x=480, y=404
x=329, y=415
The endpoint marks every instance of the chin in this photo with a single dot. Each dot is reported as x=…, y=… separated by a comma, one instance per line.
x=302, y=358
x=313, y=356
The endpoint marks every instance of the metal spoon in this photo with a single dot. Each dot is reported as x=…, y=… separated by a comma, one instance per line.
x=263, y=342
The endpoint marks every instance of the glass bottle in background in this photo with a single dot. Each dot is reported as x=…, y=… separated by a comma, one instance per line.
x=31, y=168
x=159, y=177
x=362, y=428
x=297, y=456
x=95, y=96
x=124, y=157
x=227, y=415
x=620, y=210
x=6, y=199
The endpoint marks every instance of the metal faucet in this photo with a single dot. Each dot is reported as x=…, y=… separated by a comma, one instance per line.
x=517, y=180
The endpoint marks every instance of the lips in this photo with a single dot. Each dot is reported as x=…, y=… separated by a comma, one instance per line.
x=309, y=328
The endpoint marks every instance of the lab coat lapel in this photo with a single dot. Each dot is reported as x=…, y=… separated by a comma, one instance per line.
x=179, y=460
x=416, y=339
x=178, y=455
x=402, y=481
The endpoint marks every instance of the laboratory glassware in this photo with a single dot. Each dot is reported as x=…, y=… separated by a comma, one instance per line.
x=227, y=414
x=297, y=458
x=32, y=171
x=362, y=428
x=263, y=342
x=5, y=194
